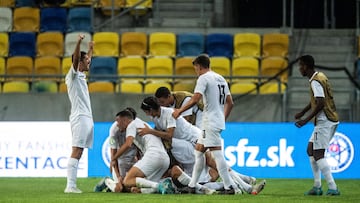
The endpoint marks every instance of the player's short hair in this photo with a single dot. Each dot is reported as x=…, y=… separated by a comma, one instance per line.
x=308, y=60
x=150, y=103
x=125, y=113
x=203, y=60
x=162, y=92
x=132, y=111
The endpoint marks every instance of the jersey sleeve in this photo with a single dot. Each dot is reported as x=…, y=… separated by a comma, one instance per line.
x=112, y=139
x=317, y=89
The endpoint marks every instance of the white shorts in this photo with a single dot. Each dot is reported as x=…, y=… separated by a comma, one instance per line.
x=153, y=165
x=82, y=128
x=183, y=151
x=322, y=134
x=210, y=138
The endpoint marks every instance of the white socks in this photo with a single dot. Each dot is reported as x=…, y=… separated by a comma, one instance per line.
x=223, y=170
x=325, y=170
x=316, y=172
x=111, y=184
x=144, y=183
x=72, y=172
x=198, y=167
x=240, y=182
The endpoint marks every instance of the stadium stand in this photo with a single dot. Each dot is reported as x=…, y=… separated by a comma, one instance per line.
x=7, y=3
x=184, y=66
x=151, y=87
x=221, y=65
x=240, y=87
x=162, y=44
x=19, y=65
x=107, y=7
x=47, y=65
x=81, y=2
x=22, y=44
x=247, y=44
x=131, y=66
x=25, y=3
x=2, y=69
x=134, y=43
x=130, y=87
x=6, y=19
x=139, y=10
x=159, y=66
x=219, y=44
x=50, y=44
x=26, y=19
x=107, y=44
x=275, y=44
x=16, y=87
x=65, y=65
x=245, y=66
x=4, y=44
x=44, y=86
x=270, y=66
x=101, y=86
x=103, y=69
x=53, y=19
x=190, y=44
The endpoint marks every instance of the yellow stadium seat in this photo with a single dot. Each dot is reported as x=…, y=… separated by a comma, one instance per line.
x=162, y=44
x=106, y=44
x=19, y=65
x=16, y=87
x=272, y=88
x=49, y=66
x=101, y=86
x=26, y=19
x=134, y=43
x=131, y=86
x=62, y=88
x=6, y=19
x=131, y=66
x=275, y=44
x=45, y=86
x=151, y=87
x=4, y=44
x=184, y=85
x=273, y=65
x=220, y=65
x=66, y=63
x=247, y=44
x=2, y=69
x=159, y=66
x=184, y=66
x=81, y=2
x=50, y=44
x=7, y=3
x=71, y=40
x=139, y=9
x=243, y=88
x=245, y=66
x=106, y=6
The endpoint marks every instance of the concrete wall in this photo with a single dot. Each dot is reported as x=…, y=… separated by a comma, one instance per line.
x=56, y=107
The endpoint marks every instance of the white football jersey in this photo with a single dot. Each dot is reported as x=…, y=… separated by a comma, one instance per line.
x=117, y=139
x=78, y=93
x=214, y=90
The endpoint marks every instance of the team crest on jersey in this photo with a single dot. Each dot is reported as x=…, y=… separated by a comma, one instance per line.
x=340, y=153
x=105, y=152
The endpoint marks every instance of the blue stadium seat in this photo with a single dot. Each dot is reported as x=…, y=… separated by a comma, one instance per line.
x=53, y=19
x=22, y=44
x=25, y=3
x=79, y=19
x=219, y=44
x=190, y=44
x=103, y=69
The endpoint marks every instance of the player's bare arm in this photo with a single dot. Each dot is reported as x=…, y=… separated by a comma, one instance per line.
x=320, y=102
x=167, y=135
x=228, y=106
x=126, y=146
x=76, y=54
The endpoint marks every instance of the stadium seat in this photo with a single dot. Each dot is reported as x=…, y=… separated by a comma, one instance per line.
x=162, y=44
x=101, y=86
x=75, y=3
x=19, y=65
x=7, y=3
x=50, y=44
x=22, y=44
x=79, y=19
x=71, y=40
x=16, y=87
x=4, y=44
x=221, y=65
x=134, y=43
x=160, y=66
x=272, y=88
x=139, y=10
x=184, y=85
x=25, y=3
x=184, y=66
x=6, y=19
x=48, y=65
x=275, y=44
x=53, y=19
x=131, y=66
x=64, y=4
x=62, y=88
x=151, y=87
x=2, y=69
x=243, y=88
x=44, y=86
x=190, y=44
x=273, y=65
x=245, y=66
x=107, y=44
x=26, y=19
x=103, y=69
x=219, y=44
x=130, y=86
x=66, y=63
x=247, y=44
x=106, y=6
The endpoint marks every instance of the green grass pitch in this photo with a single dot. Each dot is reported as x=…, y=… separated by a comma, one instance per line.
x=276, y=190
